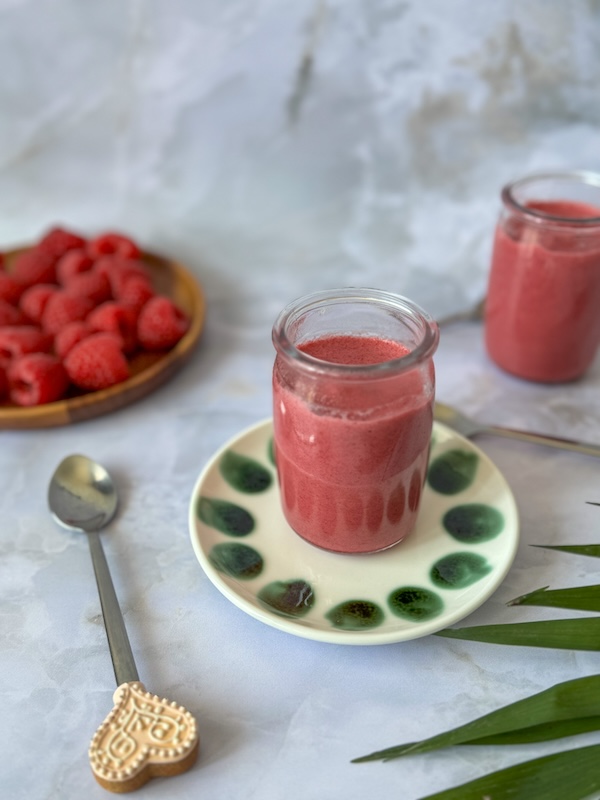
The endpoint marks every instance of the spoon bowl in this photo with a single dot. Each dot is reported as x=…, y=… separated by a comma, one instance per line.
x=82, y=495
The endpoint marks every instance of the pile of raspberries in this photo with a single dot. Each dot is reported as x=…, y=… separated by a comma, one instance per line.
x=73, y=312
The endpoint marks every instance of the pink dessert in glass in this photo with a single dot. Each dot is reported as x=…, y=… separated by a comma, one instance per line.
x=543, y=304
x=353, y=414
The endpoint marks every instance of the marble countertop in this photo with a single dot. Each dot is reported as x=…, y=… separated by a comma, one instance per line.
x=279, y=716
x=277, y=148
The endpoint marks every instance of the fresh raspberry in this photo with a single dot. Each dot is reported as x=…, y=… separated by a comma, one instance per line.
x=36, y=378
x=34, y=299
x=121, y=277
x=119, y=270
x=3, y=384
x=72, y=263
x=116, y=318
x=34, y=266
x=135, y=292
x=10, y=288
x=111, y=243
x=97, y=362
x=11, y=315
x=93, y=285
x=19, y=340
x=58, y=241
x=69, y=336
x=161, y=324
x=63, y=307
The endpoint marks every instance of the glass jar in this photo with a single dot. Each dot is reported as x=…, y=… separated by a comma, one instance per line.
x=353, y=391
x=542, y=318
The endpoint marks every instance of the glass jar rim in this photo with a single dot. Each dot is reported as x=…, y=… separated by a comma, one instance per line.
x=542, y=217
x=291, y=312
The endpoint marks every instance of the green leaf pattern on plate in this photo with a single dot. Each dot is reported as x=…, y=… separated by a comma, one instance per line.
x=473, y=523
x=457, y=570
x=293, y=598
x=356, y=615
x=226, y=517
x=453, y=471
x=237, y=560
x=450, y=473
x=415, y=603
x=244, y=474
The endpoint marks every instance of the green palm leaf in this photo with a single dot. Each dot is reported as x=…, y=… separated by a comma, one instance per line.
x=566, y=634
x=543, y=733
x=572, y=775
x=577, y=549
x=580, y=598
x=565, y=709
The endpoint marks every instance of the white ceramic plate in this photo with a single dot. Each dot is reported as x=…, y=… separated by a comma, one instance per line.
x=461, y=550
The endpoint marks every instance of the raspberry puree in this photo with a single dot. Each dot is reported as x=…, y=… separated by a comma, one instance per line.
x=543, y=304
x=351, y=461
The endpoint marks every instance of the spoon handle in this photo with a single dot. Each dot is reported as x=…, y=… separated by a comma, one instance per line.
x=549, y=441
x=118, y=641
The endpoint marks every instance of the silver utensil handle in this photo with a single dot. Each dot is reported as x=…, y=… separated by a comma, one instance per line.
x=549, y=441
x=118, y=641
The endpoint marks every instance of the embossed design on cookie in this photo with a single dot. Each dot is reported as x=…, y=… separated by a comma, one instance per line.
x=143, y=737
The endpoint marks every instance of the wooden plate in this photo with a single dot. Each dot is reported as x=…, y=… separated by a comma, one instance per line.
x=148, y=370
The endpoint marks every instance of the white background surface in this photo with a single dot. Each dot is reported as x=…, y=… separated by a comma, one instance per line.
x=190, y=126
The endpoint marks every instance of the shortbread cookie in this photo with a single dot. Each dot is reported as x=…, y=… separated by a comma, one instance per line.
x=143, y=737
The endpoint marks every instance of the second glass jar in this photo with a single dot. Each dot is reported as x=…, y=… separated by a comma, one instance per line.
x=542, y=319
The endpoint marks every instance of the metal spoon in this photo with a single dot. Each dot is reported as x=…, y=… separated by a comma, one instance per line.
x=82, y=497
x=469, y=427
x=129, y=747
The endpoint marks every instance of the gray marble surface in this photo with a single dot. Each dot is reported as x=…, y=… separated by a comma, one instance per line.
x=279, y=716
x=276, y=148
